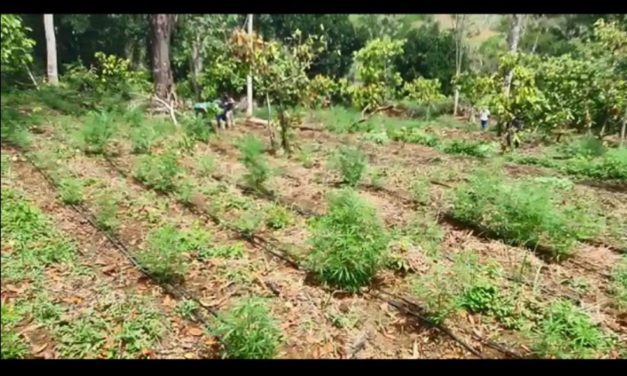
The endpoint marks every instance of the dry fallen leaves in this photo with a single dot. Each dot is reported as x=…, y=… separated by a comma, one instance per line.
x=195, y=331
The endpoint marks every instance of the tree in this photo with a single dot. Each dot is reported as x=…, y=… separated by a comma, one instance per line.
x=51, y=50
x=461, y=31
x=15, y=47
x=512, y=41
x=162, y=26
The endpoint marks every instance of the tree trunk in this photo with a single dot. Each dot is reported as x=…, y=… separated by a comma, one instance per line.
x=456, y=102
x=513, y=38
x=622, y=130
x=162, y=25
x=196, y=66
x=284, y=132
x=460, y=29
x=51, y=50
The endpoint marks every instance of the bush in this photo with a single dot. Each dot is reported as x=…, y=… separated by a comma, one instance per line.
x=349, y=242
x=96, y=132
x=198, y=128
x=248, y=332
x=523, y=213
x=612, y=165
x=251, y=150
x=158, y=171
x=163, y=256
x=248, y=222
x=586, y=147
x=351, y=163
x=414, y=136
x=106, y=211
x=566, y=332
x=71, y=191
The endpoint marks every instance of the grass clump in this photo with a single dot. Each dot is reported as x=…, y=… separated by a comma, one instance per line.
x=351, y=163
x=187, y=309
x=523, y=213
x=158, y=171
x=13, y=345
x=349, y=242
x=278, y=217
x=567, y=332
x=164, y=256
x=248, y=332
x=251, y=150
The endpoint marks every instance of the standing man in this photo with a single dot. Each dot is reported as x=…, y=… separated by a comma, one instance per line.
x=484, y=117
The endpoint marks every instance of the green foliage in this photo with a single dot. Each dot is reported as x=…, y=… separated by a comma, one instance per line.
x=422, y=90
x=619, y=283
x=187, y=309
x=163, y=256
x=249, y=222
x=378, y=137
x=278, y=217
x=349, y=242
x=414, y=136
x=185, y=192
x=248, y=332
x=523, y=213
x=585, y=147
x=480, y=149
x=13, y=346
x=206, y=165
x=321, y=91
x=424, y=231
x=305, y=156
x=420, y=190
x=612, y=165
x=566, y=332
x=436, y=290
x=198, y=128
x=158, y=171
x=375, y=69
x=96, y=133
x=227, y=251
x=142, y=139
x=16, y=48
x=251, y=150
x=106, y=211
x=351, y=163
x=71, y=191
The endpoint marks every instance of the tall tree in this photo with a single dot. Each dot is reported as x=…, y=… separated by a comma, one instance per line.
x=51, y=50
x=460, y=25
x=512, y=41
x=162, y=26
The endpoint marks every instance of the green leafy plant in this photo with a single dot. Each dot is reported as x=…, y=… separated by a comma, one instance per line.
x=142, y=139
x=248, y=222
x=351, y=163
x=228, y=251
x=523, y=213
x=13, y=346
x=480, y=150
x=163, y=256
x=185, y=192
x=106, y=211
x=198, y=128
x=277, y=217
x=420, y=190
x=96, y=133
x=158, y=171
x=71, y=191
x=349, y=242
x=566, y=332
x=248, y=332
x=206, y=164
x=251, y=150
x=187, y=309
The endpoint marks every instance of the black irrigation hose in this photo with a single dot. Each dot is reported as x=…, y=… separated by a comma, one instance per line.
x=270, y=246
x=176, y=291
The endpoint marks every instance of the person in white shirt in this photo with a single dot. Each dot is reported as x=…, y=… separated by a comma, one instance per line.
x=484, y=117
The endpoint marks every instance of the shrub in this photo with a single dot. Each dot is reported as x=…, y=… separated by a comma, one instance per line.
x=566, y=332
x=185, y=191
x=96, y=132
x=163, y=256
x=248, y=222
x=351, y=163
x=158, y=171
x=71, y=191
x=197, y=128
x=349, y=242
x=522, y=213
x=612, y=165
x=251, y=150
x=248, y=332
x=106, y=211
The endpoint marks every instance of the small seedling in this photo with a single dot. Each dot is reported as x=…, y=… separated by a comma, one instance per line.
x=187, y=309
x=248, y=223
x=277, y=217
x=106, y=211
x=206, y=165
x=248, y=332
x=96, y=133
x=227, y=251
